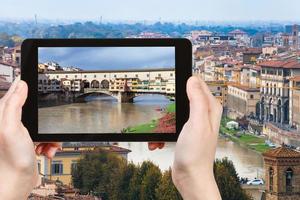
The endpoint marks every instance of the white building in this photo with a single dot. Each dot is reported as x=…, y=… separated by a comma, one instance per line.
x=7, y=71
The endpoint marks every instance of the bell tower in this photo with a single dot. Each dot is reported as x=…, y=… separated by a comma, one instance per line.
x=282, y=174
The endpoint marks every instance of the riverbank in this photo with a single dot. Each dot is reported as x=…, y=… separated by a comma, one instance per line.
x=250, y=141
x=154, y=124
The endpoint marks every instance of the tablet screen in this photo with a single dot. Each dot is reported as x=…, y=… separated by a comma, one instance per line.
x=118, y=90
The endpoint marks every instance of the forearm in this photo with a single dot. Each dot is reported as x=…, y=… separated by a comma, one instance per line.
x=198, y=187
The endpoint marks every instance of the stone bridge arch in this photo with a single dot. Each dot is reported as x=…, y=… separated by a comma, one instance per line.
x=95, y=84
x=104, y=84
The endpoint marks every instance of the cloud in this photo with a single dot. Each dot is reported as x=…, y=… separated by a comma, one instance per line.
x=105, y=58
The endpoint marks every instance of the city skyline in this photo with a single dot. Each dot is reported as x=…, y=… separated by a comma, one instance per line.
x=109, y=58
x=215, y=10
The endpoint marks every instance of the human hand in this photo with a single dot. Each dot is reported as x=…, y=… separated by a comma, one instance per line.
x=18, y=165
x=192, y=170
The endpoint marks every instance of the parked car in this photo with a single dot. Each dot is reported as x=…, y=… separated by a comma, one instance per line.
x=255, y=182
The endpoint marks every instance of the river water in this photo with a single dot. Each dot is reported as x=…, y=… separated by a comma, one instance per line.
x=247, y=162
x=104, y=114
x=99, y=114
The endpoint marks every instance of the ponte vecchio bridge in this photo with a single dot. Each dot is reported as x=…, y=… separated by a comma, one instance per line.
x=123, y=85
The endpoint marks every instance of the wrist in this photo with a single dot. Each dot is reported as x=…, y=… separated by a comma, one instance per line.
x=17, y=187
x=197, y=186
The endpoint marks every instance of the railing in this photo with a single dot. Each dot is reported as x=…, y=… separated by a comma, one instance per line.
x=87, y=90
x=90, y=90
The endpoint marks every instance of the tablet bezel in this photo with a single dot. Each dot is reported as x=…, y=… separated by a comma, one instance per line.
x=29, y=73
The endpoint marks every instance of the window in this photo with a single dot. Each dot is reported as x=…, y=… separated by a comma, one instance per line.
x=57, y=167
x=104, y=75
x=57, y=76
x=218, y=88
x=40, y=82
x=288, y=180
x=148, y=75
x=115, y=76
x=95, y=76
x=159, y=75
x=286, y=72
x=251, y=96
x=171, y=74
x=271, y=174
x=125, y=75
x=75, y=76
x=84, y=76
x=66, y=76
x=136, y=75
x=39, y=167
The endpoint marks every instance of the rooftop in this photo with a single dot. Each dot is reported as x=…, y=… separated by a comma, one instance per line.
x=282, y=152
x=93, y=145
x=244, y=87
x=288, y=64
x=8, y=64
x=295, y=78
x=252, y=51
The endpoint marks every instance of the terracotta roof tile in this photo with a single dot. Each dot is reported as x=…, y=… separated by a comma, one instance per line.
x=289, y=64
x=282, y=152
x=295, y=78
x=253, y=51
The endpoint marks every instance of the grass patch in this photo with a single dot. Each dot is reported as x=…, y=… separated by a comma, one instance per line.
x=149, y=127
x=171, y=108
x=250, y=141
x=261, y=148
x=142, y=128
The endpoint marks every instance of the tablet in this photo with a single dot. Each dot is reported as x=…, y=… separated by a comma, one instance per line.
x=105, y=89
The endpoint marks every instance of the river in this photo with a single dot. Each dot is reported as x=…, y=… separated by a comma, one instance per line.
x=247, y=162
x=99, y=114
x=104, y=114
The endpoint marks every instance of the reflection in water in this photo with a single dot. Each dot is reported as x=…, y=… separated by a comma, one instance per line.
x=100, y=114
x=247, y=163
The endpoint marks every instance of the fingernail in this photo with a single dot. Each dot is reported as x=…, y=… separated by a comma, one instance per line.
x=19, y=87
x=51, y=152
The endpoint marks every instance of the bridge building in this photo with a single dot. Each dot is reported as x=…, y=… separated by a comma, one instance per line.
x=122, y=84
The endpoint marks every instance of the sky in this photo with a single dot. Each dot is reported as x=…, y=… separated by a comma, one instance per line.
x=109, y=58
x=163, y=10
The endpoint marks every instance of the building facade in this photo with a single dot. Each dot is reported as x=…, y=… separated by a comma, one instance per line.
x=7, y=72
x=61, y=166
x=157, y=79
x=282, y=174
x=242, y=101
x=295, y=102
x=275, y=91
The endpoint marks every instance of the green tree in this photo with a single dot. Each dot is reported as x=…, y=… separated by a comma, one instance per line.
x=228, y=181
x=127, y=174
x=99, y=173
x=166, y=189
x=150, y=182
